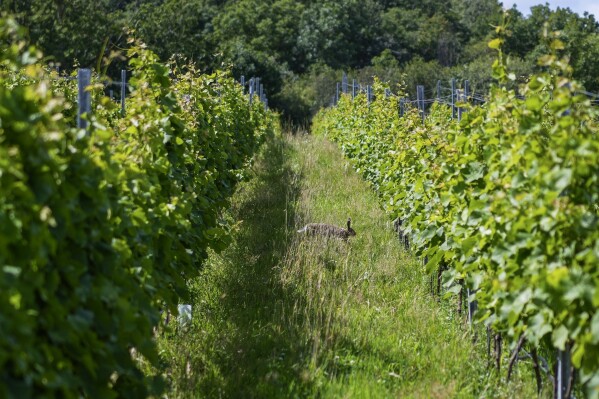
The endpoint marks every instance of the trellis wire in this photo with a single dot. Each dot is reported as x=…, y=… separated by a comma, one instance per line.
x=84, y=96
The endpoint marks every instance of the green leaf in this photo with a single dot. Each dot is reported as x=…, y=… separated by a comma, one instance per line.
x=468, y=244
x=434, y=261
x=560, y=337
x=534, y=103
x=561, y=179
x=555, y=277
x=453, y=290
x=474, y=171
x=14, y=271
x=495, y=44
x=577, y=354
x=595, y=328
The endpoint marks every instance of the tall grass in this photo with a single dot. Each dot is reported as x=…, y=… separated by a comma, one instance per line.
x=281, y=315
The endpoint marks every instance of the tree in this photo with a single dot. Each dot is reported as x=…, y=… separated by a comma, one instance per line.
x=69, y=32
x=176, y=27
x=586, y=68
x=478, y=16
x=342, y=34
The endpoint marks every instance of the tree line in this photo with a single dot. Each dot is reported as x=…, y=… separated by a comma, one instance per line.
x=300, y=47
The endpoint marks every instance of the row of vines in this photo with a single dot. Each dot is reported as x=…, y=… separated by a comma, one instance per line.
x=506, y=201
x=100, y=229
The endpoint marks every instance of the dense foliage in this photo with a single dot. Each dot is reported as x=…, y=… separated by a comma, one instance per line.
x=100, y=229
x=507, y=199
x=296, y=45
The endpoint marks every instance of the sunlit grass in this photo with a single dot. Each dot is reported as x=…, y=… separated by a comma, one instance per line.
x=281, y=315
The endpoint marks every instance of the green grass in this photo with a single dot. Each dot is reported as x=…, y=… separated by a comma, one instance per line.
x=280, y=315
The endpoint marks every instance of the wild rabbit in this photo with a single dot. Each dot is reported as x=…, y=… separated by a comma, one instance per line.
x=328, y=230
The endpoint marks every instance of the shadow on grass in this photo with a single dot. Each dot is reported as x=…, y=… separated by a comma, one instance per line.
x=256, y=353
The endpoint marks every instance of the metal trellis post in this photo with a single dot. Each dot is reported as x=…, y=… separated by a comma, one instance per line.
x=467, y=90
x=123, y=90
x=420, y=97
x=564, y=365
x=472, y=306
x=344, y=83
x=84, y=99
x=453, y=98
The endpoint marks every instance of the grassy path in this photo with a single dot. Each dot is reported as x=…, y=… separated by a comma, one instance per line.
x=280, y=316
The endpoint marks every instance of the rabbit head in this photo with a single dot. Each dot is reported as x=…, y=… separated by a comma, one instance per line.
x=350, y=232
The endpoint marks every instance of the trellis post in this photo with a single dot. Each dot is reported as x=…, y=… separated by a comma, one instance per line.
x=84, y=98
x=562, y=380
x=344, y=83
x=453, y=98
x=466, y=90
x=123, y=90
x=472, y=306
x=459, y=96
x=420, y=99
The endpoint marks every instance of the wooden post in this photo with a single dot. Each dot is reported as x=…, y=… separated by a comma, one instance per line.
x=84, y=98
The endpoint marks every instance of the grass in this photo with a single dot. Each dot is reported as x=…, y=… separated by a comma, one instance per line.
x=280, y=315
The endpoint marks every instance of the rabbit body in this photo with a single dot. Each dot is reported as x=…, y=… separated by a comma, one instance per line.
x=328, y=230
